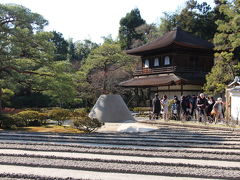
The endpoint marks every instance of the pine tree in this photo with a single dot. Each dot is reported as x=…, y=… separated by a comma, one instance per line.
x=227, y=47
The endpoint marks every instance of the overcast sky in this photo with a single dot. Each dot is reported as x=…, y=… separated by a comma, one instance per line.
x=93, y=19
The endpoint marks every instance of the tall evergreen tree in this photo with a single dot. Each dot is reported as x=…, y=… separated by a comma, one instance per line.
x=26, y=56
x=128, y=24
x=227, y=47
x=61, y=45
x=196, y=18
x=71, y=50
x=24, y=46
x=83, y=49
x=148, y=33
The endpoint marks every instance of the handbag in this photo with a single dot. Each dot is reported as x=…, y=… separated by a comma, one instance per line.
x=213, y=112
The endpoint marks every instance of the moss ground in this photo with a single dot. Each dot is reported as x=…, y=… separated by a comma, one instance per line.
x=49, y=128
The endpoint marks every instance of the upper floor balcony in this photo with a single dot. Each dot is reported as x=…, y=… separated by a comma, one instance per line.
x=168, y=69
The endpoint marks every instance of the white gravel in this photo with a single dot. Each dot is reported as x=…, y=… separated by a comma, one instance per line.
x=80, y=174
x=123, y=158
x=162, y=154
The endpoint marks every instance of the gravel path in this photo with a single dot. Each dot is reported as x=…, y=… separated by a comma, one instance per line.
x=168, y=153
x=101, y=157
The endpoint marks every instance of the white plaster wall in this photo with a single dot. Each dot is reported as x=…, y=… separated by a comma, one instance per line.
x=171, y=94
x=192, y=87
x=235, y=107
x=176, y=90
x=178, y=87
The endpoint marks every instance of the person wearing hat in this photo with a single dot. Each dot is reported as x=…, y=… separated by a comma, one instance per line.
x=156, y=106
x=218, y=109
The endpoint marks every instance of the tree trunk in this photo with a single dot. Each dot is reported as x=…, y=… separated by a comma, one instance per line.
x=231, y=68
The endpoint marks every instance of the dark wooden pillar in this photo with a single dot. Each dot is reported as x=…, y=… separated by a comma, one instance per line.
x=136, y=94
x=181, y=89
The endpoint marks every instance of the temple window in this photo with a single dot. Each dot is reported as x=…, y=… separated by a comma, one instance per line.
x=146, y=63
x=166, y=60
x=156, y=62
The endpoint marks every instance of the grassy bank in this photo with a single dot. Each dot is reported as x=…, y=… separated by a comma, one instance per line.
x=49, y=128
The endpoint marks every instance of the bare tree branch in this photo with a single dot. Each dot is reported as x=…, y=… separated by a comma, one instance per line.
x=5, y=21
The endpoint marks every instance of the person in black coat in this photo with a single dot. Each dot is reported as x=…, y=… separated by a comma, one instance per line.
x=184, y=105
x=202, y=105
x=193, y=102
x=156, y=106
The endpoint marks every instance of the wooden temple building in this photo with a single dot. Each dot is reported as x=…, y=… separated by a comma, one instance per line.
x=174, y=64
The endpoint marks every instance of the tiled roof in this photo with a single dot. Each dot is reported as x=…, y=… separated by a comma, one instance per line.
x=177, y=36
x=162, y=80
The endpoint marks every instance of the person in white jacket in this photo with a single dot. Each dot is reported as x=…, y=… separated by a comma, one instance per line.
x=164, y=103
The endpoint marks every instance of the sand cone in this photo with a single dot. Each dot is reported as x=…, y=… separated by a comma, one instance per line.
x=111, y=108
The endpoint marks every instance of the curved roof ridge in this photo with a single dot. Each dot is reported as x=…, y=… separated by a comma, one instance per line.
x=179, y=36
x=189, y=38
x=167, y=38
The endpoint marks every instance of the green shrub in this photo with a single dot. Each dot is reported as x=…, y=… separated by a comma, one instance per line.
x=33, y=100
x=82, y=122
x=42, y=117
x=13, y=127
x=7, y=95
x=7, y=121
x=141, y=109
x=59, y=115
x=80, y=112
x=31, y=118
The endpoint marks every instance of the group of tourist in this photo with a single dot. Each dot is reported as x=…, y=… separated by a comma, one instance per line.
x=188, y=107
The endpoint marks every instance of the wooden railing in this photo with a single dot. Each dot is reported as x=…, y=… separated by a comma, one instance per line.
x=162, y=70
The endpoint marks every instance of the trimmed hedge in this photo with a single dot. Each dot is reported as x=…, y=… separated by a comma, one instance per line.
x=31, y=118
x=59, y=115
x=82, y=122
x=142, y=110
x=7, y=121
